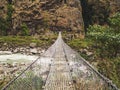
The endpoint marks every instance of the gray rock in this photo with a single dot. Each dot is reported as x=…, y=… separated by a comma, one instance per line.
x=5, y=44
x=15, y=64
x=89, y=53
x=33, y=51
x=16, y=50
x=33, y=45
x=14, y=70
x=84, y=51
x=42, y=51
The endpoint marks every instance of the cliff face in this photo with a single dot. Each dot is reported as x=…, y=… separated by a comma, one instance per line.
x=98, y=11
x=43, y=16
x=3, y=8
x=48, y=15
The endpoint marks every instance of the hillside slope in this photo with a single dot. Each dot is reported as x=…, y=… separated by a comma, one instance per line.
x=42, y=16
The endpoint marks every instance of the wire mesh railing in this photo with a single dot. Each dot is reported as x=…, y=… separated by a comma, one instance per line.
x=85, y=75
x=29, y=79
x=64, y=69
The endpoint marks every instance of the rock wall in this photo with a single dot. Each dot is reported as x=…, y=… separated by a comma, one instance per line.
x=98, y=11
x=3, y=8
x=43, y=16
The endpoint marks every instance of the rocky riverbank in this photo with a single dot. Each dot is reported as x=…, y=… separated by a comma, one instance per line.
x=32, y=49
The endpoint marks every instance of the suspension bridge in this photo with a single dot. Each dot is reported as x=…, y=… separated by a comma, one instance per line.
x=60, y=68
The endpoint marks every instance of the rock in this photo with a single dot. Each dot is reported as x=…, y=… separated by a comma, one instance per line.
x=84, y=51
x=9, y=65
x=33, y=45
x=70, y=83
x=89, y=53
x=22, y=64
x=5, y=44
x=22, y=49
x=27, y=47
x=42, y=51
x=33, y=51
x=15, y=51
x=14, y=64
x=14, y=70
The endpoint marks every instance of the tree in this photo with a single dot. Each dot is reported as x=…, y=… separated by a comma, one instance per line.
x=3, y=26
x=9, y=14
x=107, y=38
x=115, y=23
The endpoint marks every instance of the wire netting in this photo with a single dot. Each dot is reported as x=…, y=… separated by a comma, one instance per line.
x=60, y=67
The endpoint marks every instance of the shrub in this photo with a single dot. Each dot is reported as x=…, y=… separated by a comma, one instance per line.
x=107, y=38
x=25, y=30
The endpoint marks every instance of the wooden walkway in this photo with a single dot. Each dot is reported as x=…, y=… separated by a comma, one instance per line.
x=59, y=77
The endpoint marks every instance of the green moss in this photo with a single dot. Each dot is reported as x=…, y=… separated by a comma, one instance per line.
x=80, y=43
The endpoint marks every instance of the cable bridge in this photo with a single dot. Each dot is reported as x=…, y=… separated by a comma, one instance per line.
x=60, y=68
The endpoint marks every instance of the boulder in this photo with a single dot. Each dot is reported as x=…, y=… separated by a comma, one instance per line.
x=16, y=50
x=33, y=51
x=5, y=44
x=33, y=45
x=15, y=64
x=89, y=53
x=83, y=51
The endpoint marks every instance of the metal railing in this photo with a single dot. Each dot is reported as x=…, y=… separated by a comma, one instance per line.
x=74, y=71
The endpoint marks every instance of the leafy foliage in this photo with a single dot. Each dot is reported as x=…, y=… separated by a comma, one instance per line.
x=3, y=26
x=25, y=30
x=6, y=24
x=115, y=23
x=9, y=13
x=110, y=69
x=107, y=38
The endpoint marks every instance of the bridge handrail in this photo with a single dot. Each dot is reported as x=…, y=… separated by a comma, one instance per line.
x=108, y=81
x=5, y=87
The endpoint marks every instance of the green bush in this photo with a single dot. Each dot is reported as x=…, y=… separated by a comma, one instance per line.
x=107, y=38
x=3, y=26
x=6, y=24
x=25, y=30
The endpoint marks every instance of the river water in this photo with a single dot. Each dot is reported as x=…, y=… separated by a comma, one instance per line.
x=17, y=57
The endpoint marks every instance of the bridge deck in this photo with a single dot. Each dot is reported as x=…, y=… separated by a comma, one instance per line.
x=59, y=77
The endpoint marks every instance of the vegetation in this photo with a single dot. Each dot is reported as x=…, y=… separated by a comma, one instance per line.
x=98, y=11
x=25, y=30
x=107, y=38
x=5, y=24
x=17, y=41
x=104, y=42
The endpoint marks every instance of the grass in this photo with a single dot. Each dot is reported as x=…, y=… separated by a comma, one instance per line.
x=80, y=43
x=26, y=40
